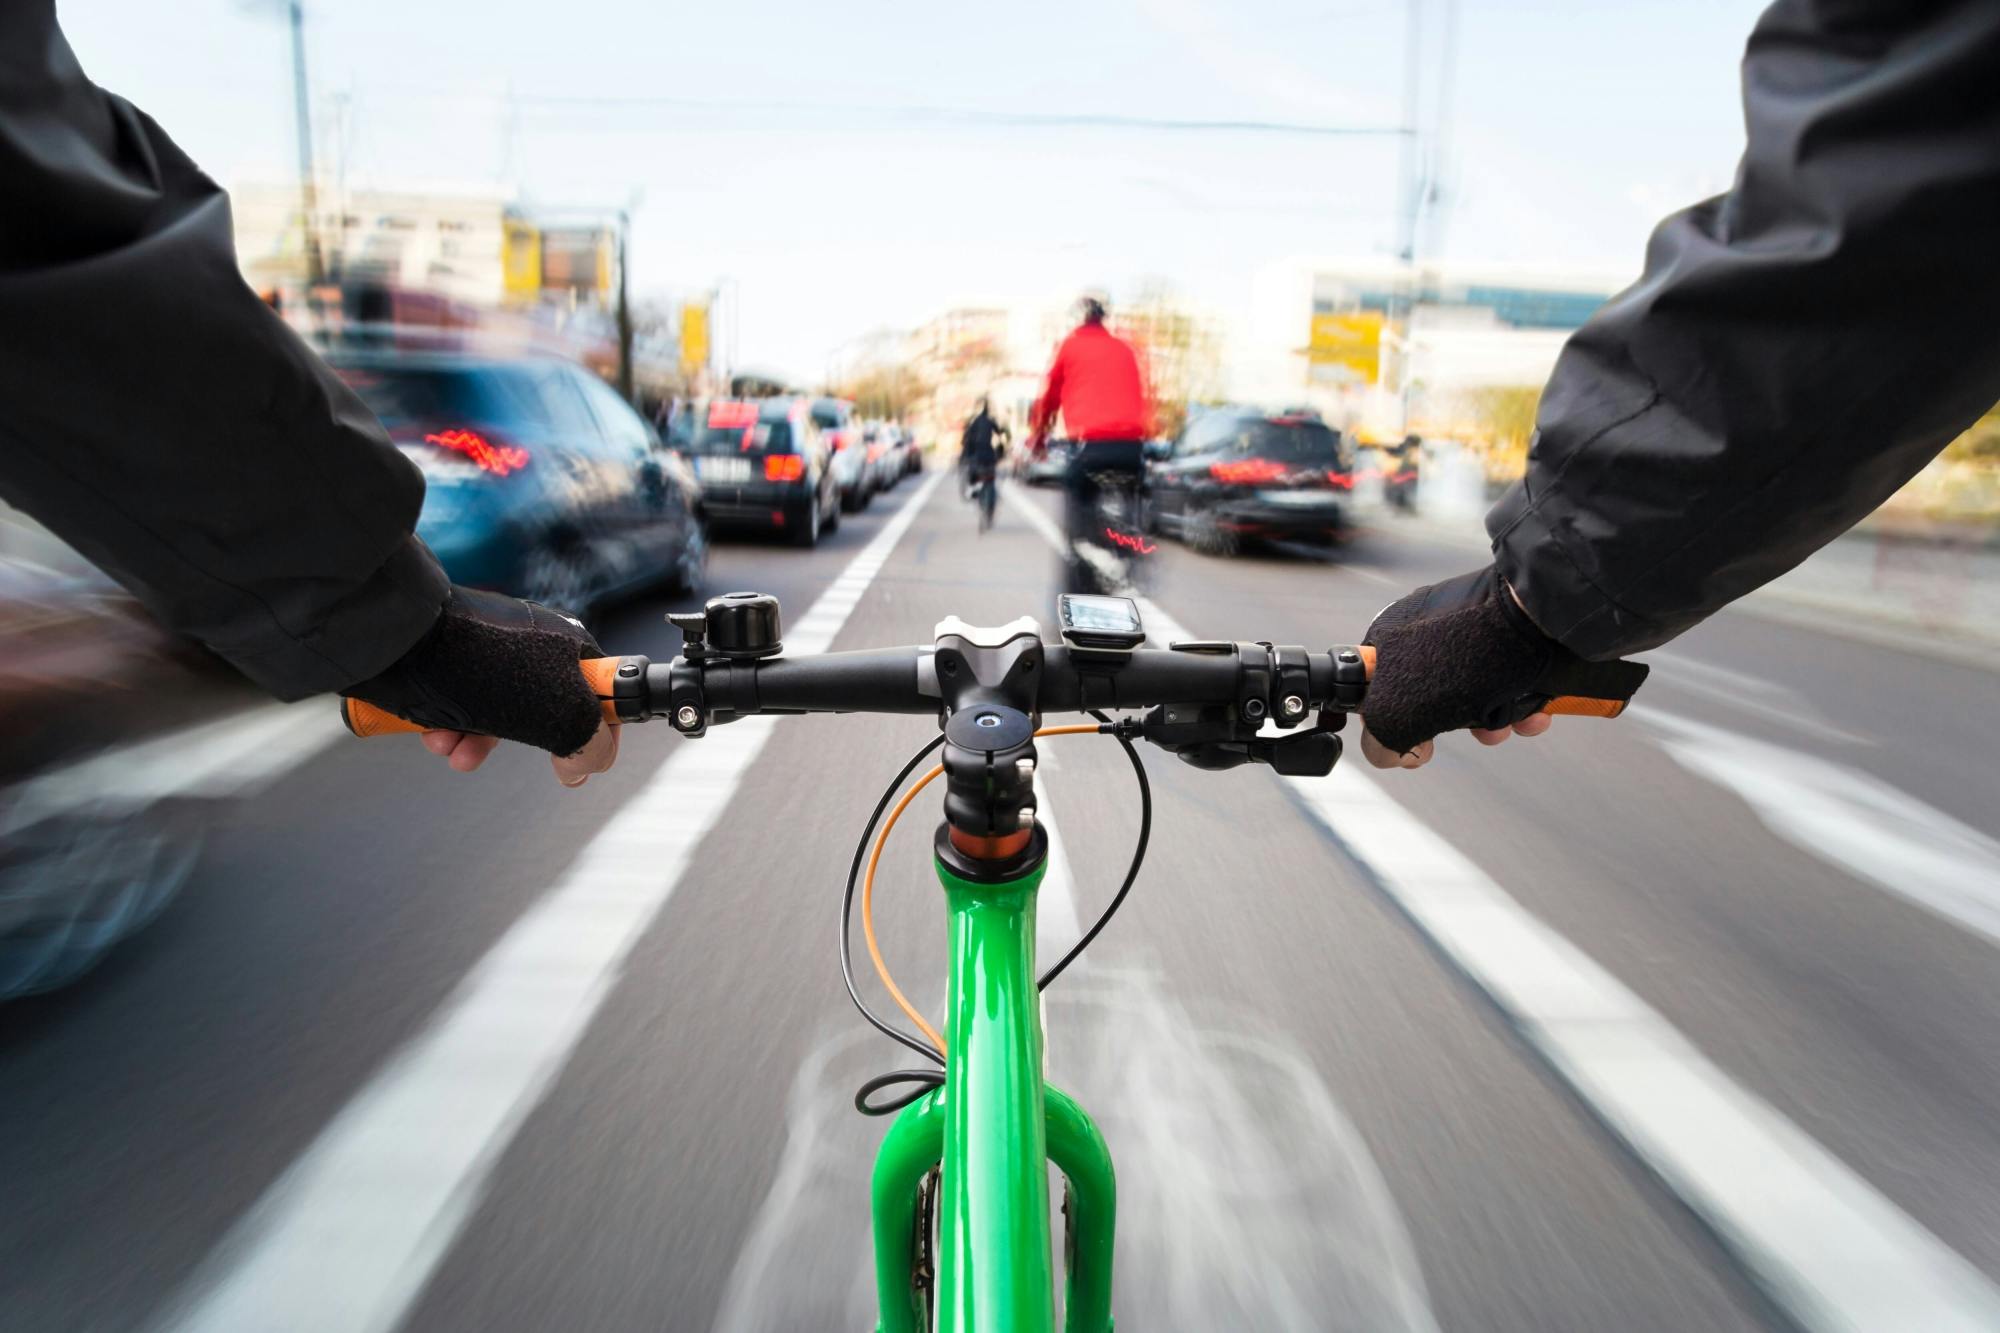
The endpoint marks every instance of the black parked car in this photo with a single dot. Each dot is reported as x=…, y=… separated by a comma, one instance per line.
x=540, y=480
x=1239, y=473
x=764, y=463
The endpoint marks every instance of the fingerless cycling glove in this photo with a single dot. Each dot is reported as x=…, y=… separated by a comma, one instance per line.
x=1462, y=653
x=497, y=666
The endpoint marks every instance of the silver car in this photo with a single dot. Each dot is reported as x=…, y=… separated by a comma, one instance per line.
x=851, y=470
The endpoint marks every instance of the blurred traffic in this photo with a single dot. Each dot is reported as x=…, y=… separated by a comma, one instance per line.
x=224, y=930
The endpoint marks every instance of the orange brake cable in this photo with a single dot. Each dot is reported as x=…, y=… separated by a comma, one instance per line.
x=868, y=884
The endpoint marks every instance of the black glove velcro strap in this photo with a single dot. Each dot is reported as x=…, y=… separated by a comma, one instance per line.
x=499, y=667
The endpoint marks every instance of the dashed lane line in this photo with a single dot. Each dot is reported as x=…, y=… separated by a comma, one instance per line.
x=345, y=1240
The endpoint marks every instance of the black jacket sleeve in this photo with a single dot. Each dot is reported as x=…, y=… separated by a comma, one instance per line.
x=161, y=419
x=1798, y=347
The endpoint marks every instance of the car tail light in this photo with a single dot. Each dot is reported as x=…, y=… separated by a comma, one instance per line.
x=499, y=459
x=784, y=467
x=1131, y=541
x=874, y=452
x=839, y=439
x=1247, y=471
x=1342, y=481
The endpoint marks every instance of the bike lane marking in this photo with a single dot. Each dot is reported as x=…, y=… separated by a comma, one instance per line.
x=1848, y=819
x=346, y=1238
x=1828, y=1248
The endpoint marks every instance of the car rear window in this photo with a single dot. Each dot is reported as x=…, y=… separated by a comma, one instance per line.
x=769, y=437
x=410, y=398
x=1291, y=442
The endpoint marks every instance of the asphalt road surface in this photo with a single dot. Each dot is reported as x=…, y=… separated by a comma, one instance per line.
x=1687, y=1021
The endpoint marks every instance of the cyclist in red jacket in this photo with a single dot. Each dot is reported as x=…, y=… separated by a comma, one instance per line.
x=1098, y=386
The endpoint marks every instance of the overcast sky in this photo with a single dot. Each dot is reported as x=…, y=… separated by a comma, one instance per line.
x=810, y=150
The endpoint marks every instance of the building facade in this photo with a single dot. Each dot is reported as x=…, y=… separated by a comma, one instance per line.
x=1374, y=345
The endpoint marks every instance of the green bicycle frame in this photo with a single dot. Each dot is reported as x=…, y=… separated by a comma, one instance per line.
x=991, y=1131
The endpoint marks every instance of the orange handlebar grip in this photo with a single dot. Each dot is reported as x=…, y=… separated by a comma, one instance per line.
x=367, y=721
x=599, y=673
x=1575, y=705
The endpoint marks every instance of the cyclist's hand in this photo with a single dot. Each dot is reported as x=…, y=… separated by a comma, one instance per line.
x=1381, y=756
x=465, y=751
x=1452, y=655
x=494, y=668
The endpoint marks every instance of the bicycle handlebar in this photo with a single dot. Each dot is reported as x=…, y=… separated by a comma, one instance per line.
x=902, y=680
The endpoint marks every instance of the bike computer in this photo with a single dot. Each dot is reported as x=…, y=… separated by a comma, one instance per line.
x=1095, y=624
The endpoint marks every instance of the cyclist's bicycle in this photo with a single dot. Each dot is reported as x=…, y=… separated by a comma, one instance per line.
x=961, y=1186
x=985, y=484
x=1107, y=531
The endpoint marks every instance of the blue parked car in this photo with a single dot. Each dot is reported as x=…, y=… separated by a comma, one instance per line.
x=541, y=481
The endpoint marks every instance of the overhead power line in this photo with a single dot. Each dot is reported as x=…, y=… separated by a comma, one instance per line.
x=921, y=114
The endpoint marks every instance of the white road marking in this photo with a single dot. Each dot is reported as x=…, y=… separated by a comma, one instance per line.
x=1750, y=694
x=1850, y=820
x=1057, y=925
x=347, y=1237
x=1831, y=1250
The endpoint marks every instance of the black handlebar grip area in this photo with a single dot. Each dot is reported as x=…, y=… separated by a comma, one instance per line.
x=875, y=680
x=1575, y=687
x=1583, y=688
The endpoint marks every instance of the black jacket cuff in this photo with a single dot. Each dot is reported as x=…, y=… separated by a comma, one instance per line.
x=360, y=636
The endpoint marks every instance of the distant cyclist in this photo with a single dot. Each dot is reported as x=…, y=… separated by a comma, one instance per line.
x=1099, y=389
x=979, y=460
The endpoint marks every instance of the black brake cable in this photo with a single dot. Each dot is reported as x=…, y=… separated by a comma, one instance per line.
x=1138, y=852
x=917, y=1082
x=916, y=1044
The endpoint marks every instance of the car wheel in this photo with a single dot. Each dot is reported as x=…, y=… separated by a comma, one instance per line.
x=559, y=580
x=1205, y=534
x=807, y=533
x=72, y=889
x=692, y=568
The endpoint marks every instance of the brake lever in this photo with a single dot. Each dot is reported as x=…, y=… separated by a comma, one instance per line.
x=1309, y=754
x=1214, y=738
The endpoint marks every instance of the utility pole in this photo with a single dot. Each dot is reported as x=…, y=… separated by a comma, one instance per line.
x=1426, y=137
x=1409, y=196
x=308, y=192
x=624, y=313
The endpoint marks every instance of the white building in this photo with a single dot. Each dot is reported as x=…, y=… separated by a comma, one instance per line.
x=1470, y=327
x=472, y=247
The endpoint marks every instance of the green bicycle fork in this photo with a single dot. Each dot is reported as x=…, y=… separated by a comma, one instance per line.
x=995, y=1127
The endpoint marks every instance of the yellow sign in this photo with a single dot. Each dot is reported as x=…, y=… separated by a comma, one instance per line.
x=520, y=261
x=1352, y=342
x=694, y=335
